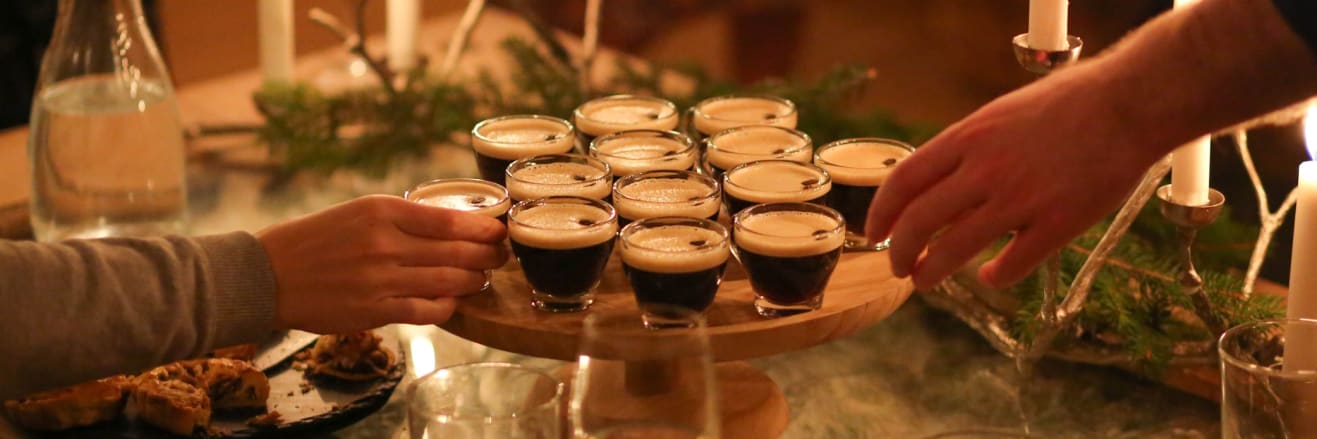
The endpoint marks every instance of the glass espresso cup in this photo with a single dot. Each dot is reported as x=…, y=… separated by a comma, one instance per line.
x=501, y=140
x=674, y=263
x=716, y=114
x=789, y=251
x=636, y=151
x=559, y=174
x=665, y=193
x=858, y=168
x=465, y=194
x=611, y=114
x=735, y=146
x=774, y=181
x=562, y=244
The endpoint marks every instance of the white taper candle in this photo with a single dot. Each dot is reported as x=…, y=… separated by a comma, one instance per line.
x=275, y=23
x=1301, y=302
x=404, y=21
x=1190, y=166
x=1047, y=25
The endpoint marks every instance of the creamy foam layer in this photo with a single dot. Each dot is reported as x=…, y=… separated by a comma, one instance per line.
x=633, y=155
x=562, y=226
x=769, y=182
x=605, y=116
x=674, y=249
x=466, y=196
x=511, y=139
x=720, y=114
x=756, y=143
x=861, y=163
x=560, y=178
x=788, y=234
x=656, y=197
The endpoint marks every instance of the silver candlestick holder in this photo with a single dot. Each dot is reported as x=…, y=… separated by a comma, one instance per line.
x=1188, y=220
x=1042, y=62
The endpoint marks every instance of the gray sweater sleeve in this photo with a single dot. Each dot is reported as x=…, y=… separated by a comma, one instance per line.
x=79, y=310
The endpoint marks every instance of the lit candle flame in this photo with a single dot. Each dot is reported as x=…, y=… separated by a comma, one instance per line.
x=1310, y=131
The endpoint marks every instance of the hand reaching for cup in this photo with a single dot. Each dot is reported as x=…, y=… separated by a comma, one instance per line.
x=1015, y=167
x=377, y=260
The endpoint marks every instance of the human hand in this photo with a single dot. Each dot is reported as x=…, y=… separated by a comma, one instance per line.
x=1044, y=163
x=377, y=260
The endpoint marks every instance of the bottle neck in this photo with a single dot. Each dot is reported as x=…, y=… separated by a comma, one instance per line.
x=101, y=37
x=99, y=17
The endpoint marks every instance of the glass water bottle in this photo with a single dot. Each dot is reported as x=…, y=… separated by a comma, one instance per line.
x=106, y=142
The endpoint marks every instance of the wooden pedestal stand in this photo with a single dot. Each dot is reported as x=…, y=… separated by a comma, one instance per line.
x=862, y=292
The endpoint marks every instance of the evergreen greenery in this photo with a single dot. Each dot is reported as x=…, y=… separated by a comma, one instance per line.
x=1136, y=304
x=366, y=130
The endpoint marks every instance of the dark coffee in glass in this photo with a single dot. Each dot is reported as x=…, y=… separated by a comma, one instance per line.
x=636, y=151
x=774, y=181
x=501, y=140
x=858, y=168
x=735, y=146
x=465, y=194
x=666, y=193
x=716, y=114
x=559, y=174
x=674, y=263
x=789, y=251
x=562, y=244
x=612, y=114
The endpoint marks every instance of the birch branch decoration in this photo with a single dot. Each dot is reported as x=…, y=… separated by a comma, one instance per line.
x=590, y=43
x=457, y=44
x=355, y=42
x=1268, y=220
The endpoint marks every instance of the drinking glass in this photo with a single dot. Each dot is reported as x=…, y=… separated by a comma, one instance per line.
x=674, y=263
x=666, y=193
x=485, y=400
x=559, y=174
x=563, y=244
x=719, y=113
x=634, y=382
x=1262, y=396
x=732, y=147
x=465, y=194
x=501, y=140
x=636, y=151
x=858, y=168
x=611, y=114
x=789, y=251
x=774, y=181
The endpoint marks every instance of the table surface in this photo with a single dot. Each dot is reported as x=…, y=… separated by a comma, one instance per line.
x=919, y=373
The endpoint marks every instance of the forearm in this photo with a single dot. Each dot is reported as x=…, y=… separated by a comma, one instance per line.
x=84, y=309
x=1192, y=72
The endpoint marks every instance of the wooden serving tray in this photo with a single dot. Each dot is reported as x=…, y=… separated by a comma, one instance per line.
x=862, y=292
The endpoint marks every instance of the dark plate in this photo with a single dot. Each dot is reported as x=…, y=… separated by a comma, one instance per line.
x=327, y=406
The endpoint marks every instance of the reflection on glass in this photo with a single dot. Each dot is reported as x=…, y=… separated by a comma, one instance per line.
x=634, y=382
x=485, y=400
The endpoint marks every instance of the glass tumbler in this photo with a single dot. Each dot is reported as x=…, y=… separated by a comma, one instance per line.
x=485, y=400
x=1269, y=380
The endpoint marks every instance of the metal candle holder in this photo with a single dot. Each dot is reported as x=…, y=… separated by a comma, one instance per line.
x=1042, y=62
x=1188, y=220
